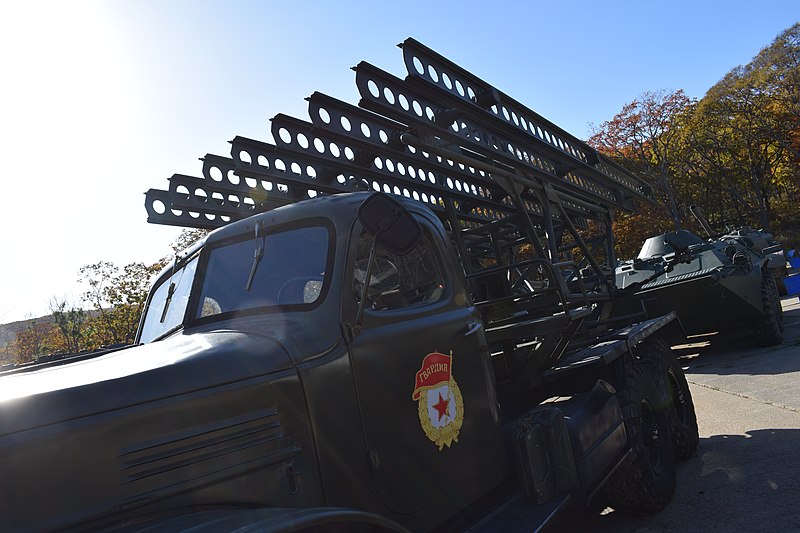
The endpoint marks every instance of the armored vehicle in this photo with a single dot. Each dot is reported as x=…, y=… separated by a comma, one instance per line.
x=384, y=332
x=722, y=283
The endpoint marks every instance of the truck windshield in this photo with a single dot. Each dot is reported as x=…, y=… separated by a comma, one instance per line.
x=167, y=306
x=290, y=271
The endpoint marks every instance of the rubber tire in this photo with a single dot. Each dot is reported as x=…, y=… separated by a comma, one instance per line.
x=681, y=413
x=768, y=330
x=779, y=283
x=645, y=482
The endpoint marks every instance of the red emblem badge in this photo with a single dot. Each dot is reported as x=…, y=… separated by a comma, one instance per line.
x=440, y=405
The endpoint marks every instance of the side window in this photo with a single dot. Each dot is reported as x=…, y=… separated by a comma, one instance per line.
x=398, y=282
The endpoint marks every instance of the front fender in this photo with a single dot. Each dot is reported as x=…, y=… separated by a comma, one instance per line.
x=267, y=520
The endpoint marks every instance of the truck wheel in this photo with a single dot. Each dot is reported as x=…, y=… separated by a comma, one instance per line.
x=768, y=329
x=663, y=364
x=645, y=481
x=681, y=413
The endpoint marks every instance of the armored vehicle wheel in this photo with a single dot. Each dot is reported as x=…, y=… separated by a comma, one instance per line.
x=645, y=481
x=768, y=329
x=779, y=283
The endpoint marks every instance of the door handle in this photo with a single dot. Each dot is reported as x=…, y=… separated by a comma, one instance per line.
x=472, y=327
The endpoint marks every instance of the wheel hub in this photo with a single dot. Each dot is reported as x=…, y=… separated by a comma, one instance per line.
x=651, y=436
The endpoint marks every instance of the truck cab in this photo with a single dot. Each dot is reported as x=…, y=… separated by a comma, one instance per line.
x=398, y=323
x=304, y=294
x=250, y=381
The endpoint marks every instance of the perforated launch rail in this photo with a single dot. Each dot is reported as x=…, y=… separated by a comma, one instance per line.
x=529, y=205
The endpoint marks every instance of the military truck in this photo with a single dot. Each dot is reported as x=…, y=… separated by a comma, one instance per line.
x=400, y=321
x=725, y=282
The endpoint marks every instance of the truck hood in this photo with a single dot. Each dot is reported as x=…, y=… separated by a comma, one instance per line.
x=177, y=365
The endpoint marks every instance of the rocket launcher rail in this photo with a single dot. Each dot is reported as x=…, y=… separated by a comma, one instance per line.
x=511, y=185
x=528, y=205
x=473, y=144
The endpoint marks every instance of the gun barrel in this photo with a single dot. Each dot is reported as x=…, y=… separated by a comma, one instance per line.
x=701, y=218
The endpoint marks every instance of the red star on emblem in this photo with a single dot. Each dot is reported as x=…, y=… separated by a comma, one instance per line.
x=441, y=406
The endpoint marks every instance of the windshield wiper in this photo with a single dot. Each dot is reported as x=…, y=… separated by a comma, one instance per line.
x=169, y=332
x=258, y=255
x=170, y=290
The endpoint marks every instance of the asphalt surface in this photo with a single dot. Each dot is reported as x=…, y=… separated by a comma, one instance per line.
x=745, y=475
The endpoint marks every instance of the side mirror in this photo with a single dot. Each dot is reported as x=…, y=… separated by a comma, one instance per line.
x=391, y=223
x=394, y=227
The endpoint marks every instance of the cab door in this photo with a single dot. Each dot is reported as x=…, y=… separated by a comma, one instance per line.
x=424, y=380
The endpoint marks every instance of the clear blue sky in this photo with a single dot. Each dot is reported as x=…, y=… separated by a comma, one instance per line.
x=100, y=101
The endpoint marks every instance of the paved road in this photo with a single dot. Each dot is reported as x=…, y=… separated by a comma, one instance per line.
x=746, y=473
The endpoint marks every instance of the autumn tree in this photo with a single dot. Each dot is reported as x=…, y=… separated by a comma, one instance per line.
x=69, y=322
x=632, y=229
x=8, y=353
x=727, y=135
x=187, y=238
x=117, y=297
x=735, y=152
x=35, y=339
x=644, y=137
x=743, y=138
x=749, y=122
x=776, y=72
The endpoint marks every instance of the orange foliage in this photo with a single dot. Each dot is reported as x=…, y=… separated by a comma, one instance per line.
x=631, y=230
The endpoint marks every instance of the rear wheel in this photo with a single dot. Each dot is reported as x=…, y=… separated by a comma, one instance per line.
x=645, y=481
x=681, y=414
x=768, y=329
x=671, y=380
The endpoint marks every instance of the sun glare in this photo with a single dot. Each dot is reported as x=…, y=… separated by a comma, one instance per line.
x=63, y=80
x=64, y=115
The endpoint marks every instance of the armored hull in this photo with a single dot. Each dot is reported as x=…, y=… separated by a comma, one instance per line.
x=715, y=285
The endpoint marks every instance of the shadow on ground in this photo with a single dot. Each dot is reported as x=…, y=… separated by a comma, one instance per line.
x=734, y=483
x=734, y=352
